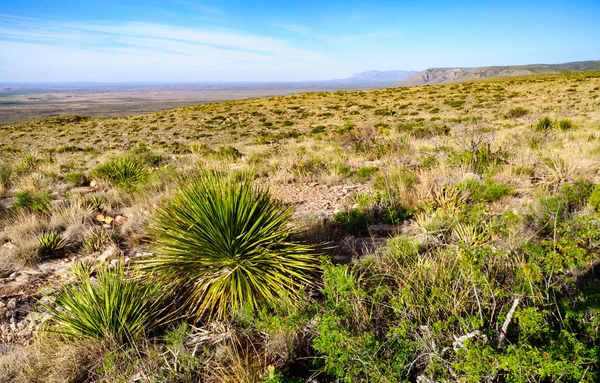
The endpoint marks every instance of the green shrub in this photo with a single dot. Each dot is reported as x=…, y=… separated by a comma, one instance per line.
x=455, y=103
x=35, y=201
x=355, y=221
x=594, y=199
x=223, y=243
x=311, y=167
x=488, y=191
x=97, y=238
x=124, y=172
x=565, y=124
x=382, y=315
x=518, y=112
x=111, y=308
x=480, y=159
x=317, y=129
x=5, y=175
x=544, y=123
x=343, y=169
x=365, y=173
x=29, y=162
x=77, y=179
x=49, y=243
x=577, y=193
x=229, y=152
x=147, y=156
x=551, y=211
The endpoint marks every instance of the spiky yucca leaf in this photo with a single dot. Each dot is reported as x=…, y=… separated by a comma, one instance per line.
x=223, y=243
x=114, y=308
x=50, y=242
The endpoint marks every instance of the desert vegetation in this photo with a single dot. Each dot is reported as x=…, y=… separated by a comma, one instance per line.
x=417, y=234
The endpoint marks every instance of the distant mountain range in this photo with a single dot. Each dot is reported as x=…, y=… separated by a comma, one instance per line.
x=378, y=76
x=435, y=76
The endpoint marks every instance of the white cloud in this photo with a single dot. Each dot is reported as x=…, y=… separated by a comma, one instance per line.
x=35, y=50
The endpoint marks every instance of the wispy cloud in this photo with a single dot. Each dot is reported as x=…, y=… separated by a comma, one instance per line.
x=200, y=54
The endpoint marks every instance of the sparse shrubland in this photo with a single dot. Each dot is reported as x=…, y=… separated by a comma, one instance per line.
x=424, y=234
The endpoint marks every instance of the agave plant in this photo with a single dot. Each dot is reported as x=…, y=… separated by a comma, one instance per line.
x=113, y=308
x=50, y=242
x=222, y=242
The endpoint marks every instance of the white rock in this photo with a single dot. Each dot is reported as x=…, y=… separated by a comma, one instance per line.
x=12, y=304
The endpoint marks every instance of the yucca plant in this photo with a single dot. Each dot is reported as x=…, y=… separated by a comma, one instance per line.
x=50, y=242
x=114, y=308
x=124, y=172
x=223, y=243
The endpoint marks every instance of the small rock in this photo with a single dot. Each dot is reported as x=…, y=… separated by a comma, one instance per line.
x=108, y=254
x=7, y=203
x=60, y=202
x=120, y=219
x=12, y=304
x=382, y=229
x=339, y=208
x=94, y=183
x=24, y=333
x=84, y=189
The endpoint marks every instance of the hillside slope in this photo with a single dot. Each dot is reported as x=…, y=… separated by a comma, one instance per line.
x=460, y=220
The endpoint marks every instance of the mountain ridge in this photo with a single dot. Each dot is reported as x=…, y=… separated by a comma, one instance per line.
x=438, y=76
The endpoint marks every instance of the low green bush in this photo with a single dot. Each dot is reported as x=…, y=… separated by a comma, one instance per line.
x=365, y=173
x=77, y=179
x=517, y=112
x=38, y=201
x=594, y=199
x=488, y=191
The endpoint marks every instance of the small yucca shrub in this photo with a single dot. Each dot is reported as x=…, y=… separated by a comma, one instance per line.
x=544, y=123
x=113, y=308
x=50, y=243
x=223, y=243
x=124, y=172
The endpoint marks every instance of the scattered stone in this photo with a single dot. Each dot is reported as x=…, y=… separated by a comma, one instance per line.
x=108, y=254
x=120, y=219
x=7, y=203
x=26, y=333
x=383, y=229
x=12, y=304
x=84, y=189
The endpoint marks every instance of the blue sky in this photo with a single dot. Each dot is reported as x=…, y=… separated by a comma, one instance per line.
x=184, y=40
